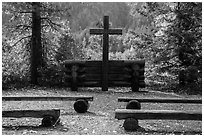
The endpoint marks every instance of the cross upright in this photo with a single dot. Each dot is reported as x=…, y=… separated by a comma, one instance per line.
x=105, y=32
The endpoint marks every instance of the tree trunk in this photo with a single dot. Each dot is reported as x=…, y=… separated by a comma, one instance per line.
x=36, y=46
x=181, y=75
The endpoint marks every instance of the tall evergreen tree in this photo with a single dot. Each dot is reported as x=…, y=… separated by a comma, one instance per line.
x=184, y=40
x=28, y=21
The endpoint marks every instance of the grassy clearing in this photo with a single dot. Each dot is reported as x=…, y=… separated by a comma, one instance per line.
x=100, y=117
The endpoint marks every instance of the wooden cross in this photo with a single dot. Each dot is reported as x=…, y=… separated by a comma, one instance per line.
x=105, y=32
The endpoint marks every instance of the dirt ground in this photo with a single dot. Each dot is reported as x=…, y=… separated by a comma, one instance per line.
x=99, y=120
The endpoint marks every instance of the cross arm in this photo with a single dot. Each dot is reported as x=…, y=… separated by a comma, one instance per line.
x=115, y=31
x=96, y=31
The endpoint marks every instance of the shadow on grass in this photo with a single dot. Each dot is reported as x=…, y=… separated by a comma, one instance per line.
x=174, y=132
x=26, y=127
x=144, y=131
x=37, y=128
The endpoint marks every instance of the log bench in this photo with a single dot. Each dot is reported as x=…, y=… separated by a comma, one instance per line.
x=157, y=114
x=133, y=111
x=120, y=74
x=136, y=101
x=132, y=116
x=50, y=117
x=81, y=104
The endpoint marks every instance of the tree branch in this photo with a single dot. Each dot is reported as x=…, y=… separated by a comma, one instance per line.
x=25, y=12
x=21, y=40
x=23, y=26
x=51, y=22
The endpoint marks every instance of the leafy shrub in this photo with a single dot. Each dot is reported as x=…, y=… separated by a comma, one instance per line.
x=52, y=75
x=15, y=66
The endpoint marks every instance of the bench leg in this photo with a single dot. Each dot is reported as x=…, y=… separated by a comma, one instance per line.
x=81, y=106
x=74, y=86
x=133, y=104
x=135, y=87
x=49, y=121
x=131, y=124
x=135, y=78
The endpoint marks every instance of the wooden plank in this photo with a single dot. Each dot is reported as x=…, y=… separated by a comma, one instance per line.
x=142, y=61
x=112, y=63
x=94, y=71
x=122, y=77
x=95, y=83
x=90, y=84
x=31, y=113
x=114, y=67
x=74, y=62
x=161, y=100
x=46, y=98
x=85, y=83
x=111, y=77
x=124, y=84
x=120, y=69
x=98, y=70
x=158, y=114
x=126, y=63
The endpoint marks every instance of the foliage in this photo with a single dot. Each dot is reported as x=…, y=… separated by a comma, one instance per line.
x=15, y=68
x=52, y=75
x=176, y=47
x=182, y=42
x=68, y=50
x=17, y=24
x=167, y=35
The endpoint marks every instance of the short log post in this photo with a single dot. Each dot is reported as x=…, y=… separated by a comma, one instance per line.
x=81, y=106
x=135, y=78
x=50, y=117
x=133, y=104
x=74, y=78
x=49, y=120
x=131, y=124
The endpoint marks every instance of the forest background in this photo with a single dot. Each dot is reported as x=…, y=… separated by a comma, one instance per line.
x=168, y=36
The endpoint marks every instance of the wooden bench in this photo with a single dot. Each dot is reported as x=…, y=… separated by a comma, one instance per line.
x=161, y=100
x=120, y=74
x=81, y=104
x=132, y=116
x=135, y=102
x=50, y=117
x=157, y=114
x=133, y=111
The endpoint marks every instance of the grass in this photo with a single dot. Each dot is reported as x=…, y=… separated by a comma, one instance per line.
x=99, y=119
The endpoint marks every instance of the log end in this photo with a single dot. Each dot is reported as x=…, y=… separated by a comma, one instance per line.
x=131, y=124
x=81, y=106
